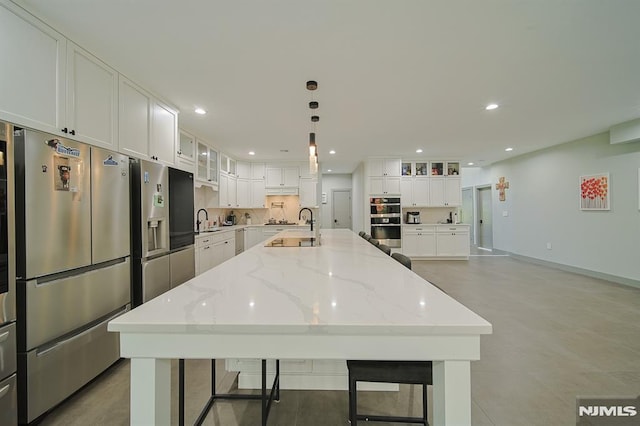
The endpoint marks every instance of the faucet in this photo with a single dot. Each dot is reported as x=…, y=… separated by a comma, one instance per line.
x=198, y=222
x=300, y=215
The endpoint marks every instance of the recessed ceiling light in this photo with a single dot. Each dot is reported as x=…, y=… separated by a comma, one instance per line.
x=491, y=106
x=469, y=164
x=332, y=152
x=508, y=149
x=329, y=170
x=252, y=153
x=419, y=151
x=200, y=111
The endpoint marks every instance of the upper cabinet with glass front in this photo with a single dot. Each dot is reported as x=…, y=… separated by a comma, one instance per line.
x=186, y=153
x=206, y=165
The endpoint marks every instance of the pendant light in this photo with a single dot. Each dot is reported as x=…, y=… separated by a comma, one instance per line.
x=313, y=148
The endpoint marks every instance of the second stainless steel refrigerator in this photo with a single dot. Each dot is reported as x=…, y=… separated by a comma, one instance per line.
x=72, y=264
x=149, y=230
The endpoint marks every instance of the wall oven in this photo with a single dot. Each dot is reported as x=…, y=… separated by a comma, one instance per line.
x=386, y=220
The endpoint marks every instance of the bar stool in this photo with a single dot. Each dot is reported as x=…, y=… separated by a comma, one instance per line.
x=374, y=242
x=366, y=237
x=265, y=398
x=362, y=233
x=401, y=372
x=385, y=248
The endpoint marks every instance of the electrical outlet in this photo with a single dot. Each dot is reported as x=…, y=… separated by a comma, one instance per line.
x=505, y=213
x=548, y=246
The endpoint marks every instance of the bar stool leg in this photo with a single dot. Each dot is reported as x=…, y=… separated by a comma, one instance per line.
x=264, y=392
x=277, y=397
x=181, y=392
x=424, y=404
x=353, y=401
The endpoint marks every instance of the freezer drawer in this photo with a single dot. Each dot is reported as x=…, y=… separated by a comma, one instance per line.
x=50, y=374
x=183, y=266
x=156, y=277
x=7, y=351
x=57, y=307
x=9, y=401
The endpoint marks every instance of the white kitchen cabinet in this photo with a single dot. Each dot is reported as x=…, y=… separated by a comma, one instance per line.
x=414, y=191
x=258, y=193
x=258, y=171
x=91, y=99
x=445, y=191
x=206, y=165
x=227, y=190
x=148, y=128
x=53, y=85
x=33, y=82
x=308, y=192
x=243, y=191
x=243, y=170
x=452, y=241
x=384, y=185
x=282, y=177
x=419, y=241
x=384, y=167
x=214, y=248
x=227, y=164
x=186, y=153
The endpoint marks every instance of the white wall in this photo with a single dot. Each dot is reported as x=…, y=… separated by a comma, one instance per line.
x=329, y=182
x=543, y=206
x=357, y=197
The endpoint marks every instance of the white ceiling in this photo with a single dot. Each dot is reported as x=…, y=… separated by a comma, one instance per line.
x=393, y=76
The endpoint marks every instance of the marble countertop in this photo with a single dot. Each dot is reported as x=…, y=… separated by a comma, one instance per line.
x=344, y=286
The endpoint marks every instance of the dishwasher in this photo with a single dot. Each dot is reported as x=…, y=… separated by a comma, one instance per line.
x=239, y=241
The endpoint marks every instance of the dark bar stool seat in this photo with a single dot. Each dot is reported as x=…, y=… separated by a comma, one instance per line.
x=385, y=248
x=401, y=372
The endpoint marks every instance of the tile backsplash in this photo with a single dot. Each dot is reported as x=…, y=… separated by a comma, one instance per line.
x=279, y=207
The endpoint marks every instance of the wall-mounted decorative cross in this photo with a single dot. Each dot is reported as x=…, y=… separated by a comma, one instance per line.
x=501, y=186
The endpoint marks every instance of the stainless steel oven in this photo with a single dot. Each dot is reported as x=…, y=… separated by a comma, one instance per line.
x=386, y=220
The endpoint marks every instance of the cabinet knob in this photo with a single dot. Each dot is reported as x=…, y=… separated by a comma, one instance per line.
x=73, y=132
x=65, y=130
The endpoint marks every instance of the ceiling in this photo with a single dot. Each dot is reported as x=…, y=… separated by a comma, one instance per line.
x=394, y=76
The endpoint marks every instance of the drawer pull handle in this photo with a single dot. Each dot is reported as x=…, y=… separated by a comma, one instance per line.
x=4, y=336
x=4, y=391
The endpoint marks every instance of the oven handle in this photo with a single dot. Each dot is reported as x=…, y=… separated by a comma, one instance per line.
x=386, y=224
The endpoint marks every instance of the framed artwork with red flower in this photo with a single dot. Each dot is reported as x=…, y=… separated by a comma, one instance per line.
x=595, y=192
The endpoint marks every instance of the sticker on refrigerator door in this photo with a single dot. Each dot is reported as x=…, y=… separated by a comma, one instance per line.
x=61, y=149
x=158, y=200
x=62, y=179
x=109, y=161
x=67, y=175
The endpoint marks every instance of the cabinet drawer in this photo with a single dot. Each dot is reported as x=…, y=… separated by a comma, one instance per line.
x=453, y=228
x=7, y=351
x=9, y=401
x=418, y=229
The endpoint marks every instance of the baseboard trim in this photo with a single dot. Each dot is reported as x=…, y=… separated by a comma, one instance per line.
x=593, y=274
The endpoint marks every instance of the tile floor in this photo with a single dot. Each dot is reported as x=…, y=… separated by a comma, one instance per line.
x=556, y=335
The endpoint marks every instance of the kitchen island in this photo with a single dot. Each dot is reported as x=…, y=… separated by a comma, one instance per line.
x=342, y=300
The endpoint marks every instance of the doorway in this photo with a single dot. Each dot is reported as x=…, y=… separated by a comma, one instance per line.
x=341, y=208
x=485, y=218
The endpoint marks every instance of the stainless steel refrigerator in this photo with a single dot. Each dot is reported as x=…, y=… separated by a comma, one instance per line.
x=8, y=363
x=73, y=265
x=149, y=230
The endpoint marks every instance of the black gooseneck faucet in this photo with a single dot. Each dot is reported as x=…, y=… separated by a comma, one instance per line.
x=198, y=222
x=310, y=211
